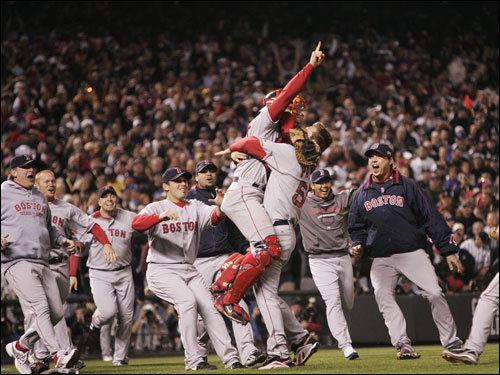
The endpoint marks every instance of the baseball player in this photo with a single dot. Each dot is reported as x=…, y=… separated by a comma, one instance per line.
x=110, y=274
x=323, y=225
x=481, y=323
x=27, y=237
x=174, y=226
x=285, y=195
x=71, y=221
x=216, y=245
x=388, y=221
x=243, y=202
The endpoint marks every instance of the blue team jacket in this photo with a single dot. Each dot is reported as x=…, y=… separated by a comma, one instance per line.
x=224, y=238
x=395, y=217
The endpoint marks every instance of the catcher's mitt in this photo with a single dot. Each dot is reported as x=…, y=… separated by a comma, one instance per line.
x=307, y=151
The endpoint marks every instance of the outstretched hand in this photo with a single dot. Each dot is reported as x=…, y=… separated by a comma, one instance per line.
x=227, y=151
x=219, y=197
x=317, y=56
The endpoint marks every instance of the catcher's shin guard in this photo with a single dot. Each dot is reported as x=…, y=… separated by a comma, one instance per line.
x=252, y=266
x=228, y=269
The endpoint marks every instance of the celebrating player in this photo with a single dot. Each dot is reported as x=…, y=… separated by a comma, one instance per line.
x=481, y=323
x=68, y=219
x=323, y=225
x=388, y=221
x=285, y=194
x=110, y=274
x=27, y=238
x=216, y=245
x=174, y=226
x=243, y=202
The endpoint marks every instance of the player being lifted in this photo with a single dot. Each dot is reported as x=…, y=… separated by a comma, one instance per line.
x=285, y=194
x=243, y=202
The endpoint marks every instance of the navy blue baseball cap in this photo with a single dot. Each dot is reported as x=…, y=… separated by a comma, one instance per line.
x=380, y=148
x=202, y=165
x=22, y=161
x=319, y=175
x=174, y=173
x=105, y=190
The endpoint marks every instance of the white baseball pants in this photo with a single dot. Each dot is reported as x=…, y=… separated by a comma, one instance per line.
x=483, y=317
x=114, y=293
x=334, y=279
x=36, y=287
x=61, y=272
x=279, y=319
x=183, y=286
x=243, y=205
x=417, y=267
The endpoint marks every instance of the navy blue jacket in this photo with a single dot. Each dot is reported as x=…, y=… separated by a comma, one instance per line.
x=225, y=238
x=395, y=217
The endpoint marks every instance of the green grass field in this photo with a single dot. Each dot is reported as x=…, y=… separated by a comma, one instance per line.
x=373, y=360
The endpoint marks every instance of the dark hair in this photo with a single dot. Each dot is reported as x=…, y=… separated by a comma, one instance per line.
x=322, y=137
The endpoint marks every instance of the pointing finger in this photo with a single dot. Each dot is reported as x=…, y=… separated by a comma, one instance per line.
x=318, y=46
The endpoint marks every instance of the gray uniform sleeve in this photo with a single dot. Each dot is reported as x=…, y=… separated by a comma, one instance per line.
x=56, y=236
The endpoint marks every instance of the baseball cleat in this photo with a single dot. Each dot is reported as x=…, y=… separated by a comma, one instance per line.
x=79, y=365
x=304, y=350
x=349, y=353
x=202, y=366
x=20, y=358
x=256, y=357
x=67, y=359
x=232, y=311
x=406, y=351
x=277, y=362
x=469, y=357
x=236, y=366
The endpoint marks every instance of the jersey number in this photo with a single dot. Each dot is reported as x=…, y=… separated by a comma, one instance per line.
x=299, y=197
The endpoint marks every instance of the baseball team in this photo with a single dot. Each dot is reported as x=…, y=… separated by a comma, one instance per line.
x=207, y=248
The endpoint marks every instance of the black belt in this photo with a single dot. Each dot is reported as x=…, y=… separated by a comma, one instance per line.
x=254, y=184
x=58, y=259
x=280, y=222
x=116, y=269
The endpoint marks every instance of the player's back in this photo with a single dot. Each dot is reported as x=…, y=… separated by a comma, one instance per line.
x=261, y=127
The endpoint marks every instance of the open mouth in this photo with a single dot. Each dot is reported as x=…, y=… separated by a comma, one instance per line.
x=30, y=176
x=375, y=167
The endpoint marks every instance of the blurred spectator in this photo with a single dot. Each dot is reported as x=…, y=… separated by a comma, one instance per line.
x=478, y=247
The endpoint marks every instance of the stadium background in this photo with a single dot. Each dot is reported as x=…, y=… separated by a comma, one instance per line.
x=215, y=61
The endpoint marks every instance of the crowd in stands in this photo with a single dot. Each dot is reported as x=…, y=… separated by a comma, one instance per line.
x=104, y=105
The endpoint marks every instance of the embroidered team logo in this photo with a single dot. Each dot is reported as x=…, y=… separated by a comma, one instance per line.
x=327, y=219
x=178, y=170
x=374, y=146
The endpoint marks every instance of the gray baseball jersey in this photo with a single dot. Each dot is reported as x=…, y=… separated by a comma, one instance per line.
x=119, y=231
x=70, y=220
x=177, y=241
x=323, y=226
x=285, y=194
x=73, y=222
x=263, y=127
x=172, y=276
x=26, y=218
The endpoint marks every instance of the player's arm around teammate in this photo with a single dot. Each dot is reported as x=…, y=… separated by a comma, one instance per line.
x=173, y=226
